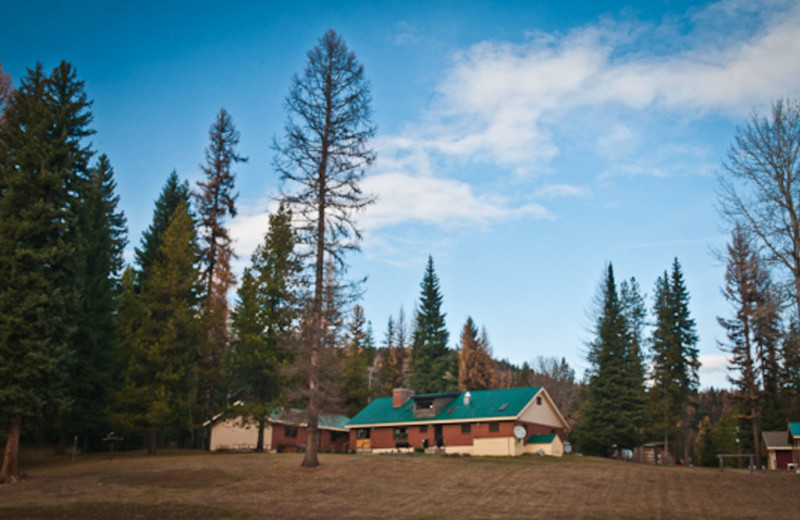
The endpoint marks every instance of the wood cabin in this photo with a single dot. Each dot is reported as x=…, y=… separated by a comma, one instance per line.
x=480, y=422
x=779, y=450
x=286, y=431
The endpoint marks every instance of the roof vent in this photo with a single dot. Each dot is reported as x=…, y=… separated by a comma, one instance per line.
x=467, y=398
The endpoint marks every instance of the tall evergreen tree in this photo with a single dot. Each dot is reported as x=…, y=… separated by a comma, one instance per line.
x=102, y=238
x=43, y=161
x=612, y=409
x=262, y=322
x=172, y=194
x=325, y=154
x=215, y=202
x=390, y=369
x=358, y=356
x=752, y=335
x=634, y=310
x=430, y=358
x=5, y=90
x=159, y=377
x=675, y=362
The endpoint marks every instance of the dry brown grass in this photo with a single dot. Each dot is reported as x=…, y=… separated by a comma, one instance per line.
x=245, y=486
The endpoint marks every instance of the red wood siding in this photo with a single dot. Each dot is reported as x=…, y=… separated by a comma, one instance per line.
x=782, y=458
x=383, y=437
x=281, y=441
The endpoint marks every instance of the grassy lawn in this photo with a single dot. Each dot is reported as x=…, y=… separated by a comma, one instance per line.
x=193, y=485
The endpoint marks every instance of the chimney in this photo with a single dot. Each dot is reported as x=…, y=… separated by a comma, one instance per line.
x=400, y=396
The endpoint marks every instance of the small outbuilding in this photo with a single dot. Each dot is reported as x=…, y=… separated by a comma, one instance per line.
x=285, y=431
x=779, y=450
x=545, y=445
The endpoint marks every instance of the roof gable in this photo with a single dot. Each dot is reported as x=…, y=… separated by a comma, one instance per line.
x=775, y=440
x=483, y=404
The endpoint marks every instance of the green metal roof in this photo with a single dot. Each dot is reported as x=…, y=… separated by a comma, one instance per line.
x=483, y=404
x=794, y=428
x=541, y=439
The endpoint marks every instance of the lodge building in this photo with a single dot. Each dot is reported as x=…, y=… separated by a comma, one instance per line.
x=482, y=422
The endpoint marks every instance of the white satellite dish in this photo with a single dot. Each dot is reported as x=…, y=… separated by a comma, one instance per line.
x=520, y=432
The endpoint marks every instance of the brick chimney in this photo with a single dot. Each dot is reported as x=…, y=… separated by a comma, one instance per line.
x=400, y=396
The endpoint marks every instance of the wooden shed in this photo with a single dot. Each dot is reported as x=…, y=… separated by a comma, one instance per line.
x=545, y=445
x=285, y=431
x=779, y=450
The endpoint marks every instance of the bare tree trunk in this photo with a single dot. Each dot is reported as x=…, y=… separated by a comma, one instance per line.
x=61, y=444
x=260, y=438
x=151, y=442
x=9, y=473
x=310, y=459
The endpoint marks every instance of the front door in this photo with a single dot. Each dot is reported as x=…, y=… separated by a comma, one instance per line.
x=437, y=435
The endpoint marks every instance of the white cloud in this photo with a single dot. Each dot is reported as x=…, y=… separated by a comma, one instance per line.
x=442, y=202
x=500, y=102
x=713, y=370
x=562, y=190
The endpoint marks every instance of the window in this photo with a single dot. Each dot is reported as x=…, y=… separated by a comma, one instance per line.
x=466, y=428
x=401, y=434
x=362, y=433
x=538, y=399
x=423, y=429
x=290, y=431
x=494, y=427
x=336, y=436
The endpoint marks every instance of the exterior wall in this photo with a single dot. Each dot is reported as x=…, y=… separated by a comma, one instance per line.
x=235, y=434
x=382, y=438
x=542, y=429
x=283, y=442
x=543, y=414
x=553, y=449
x=782, y=458
x=497, y=447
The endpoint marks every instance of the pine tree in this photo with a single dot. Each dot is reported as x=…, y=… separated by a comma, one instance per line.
x=634, y=311
x=358, y=356
x=752, y=335
x=475, y=364
x=611, y=413
x=325, y=154
x=102, y=230
x=172, y=194
x=159, y=376
x=262, y=323
x=430, y=359
x=215, y=201
x=5, y=90
x=389, y=375
x=43, y=160
x=675, y=363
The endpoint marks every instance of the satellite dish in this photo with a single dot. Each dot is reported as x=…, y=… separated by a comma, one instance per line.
x=520, y=432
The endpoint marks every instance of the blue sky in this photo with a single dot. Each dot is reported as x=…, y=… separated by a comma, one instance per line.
x=521, y=144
